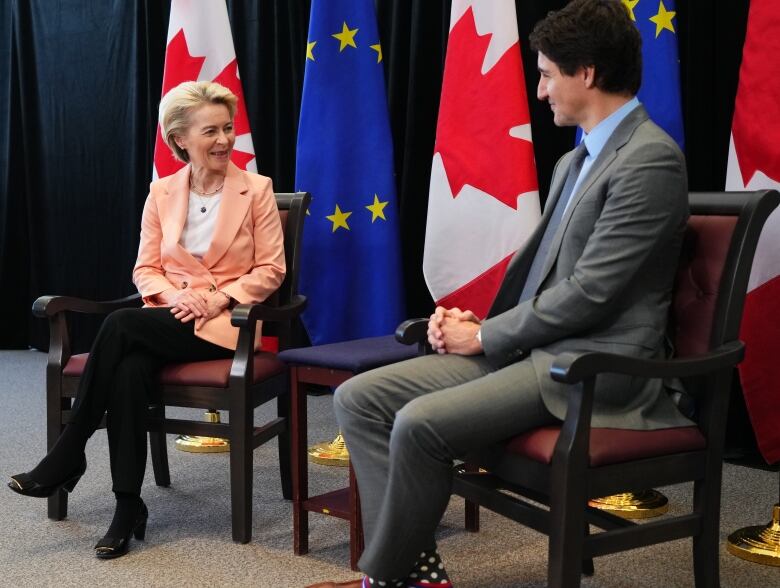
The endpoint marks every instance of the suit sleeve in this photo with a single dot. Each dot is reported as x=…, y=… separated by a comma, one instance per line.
x=148, y=274
x=645, y=205
x=268, y=269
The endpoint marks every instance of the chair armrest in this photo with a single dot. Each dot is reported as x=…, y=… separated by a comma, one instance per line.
x=570, y=368
x=412, y=331
x=246, y=314
x=48, y=306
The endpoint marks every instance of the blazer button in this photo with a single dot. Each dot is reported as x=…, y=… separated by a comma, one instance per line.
x=184, y=285
x=212, y=288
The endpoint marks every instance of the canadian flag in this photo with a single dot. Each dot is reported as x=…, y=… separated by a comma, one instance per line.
x=754, y=163
x=484, y=198
x=200, y=47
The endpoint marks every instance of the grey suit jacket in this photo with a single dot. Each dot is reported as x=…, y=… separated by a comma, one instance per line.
x=607, y=278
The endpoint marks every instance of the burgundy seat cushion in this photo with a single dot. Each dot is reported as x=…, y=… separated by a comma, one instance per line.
x=609, y=446
x=214, y=373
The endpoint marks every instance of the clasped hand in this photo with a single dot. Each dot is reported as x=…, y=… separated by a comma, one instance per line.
x=188, y=304
x=454, y=331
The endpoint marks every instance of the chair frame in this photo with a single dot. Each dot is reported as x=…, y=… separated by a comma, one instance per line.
x=240, y=397
x=565, y=485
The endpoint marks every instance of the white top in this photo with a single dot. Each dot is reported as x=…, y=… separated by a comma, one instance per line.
x=199, y=227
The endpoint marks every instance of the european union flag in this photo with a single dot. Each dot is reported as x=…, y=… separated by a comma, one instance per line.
x=351, y=267
x=660, y=91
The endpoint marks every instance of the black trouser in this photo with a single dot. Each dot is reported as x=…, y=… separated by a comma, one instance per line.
x=120, y=378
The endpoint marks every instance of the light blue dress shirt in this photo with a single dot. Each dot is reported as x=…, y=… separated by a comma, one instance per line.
x=598, y=137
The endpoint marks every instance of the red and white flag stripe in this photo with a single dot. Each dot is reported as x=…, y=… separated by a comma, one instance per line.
x=484, y=199
x=200, y=47
x=754, y=163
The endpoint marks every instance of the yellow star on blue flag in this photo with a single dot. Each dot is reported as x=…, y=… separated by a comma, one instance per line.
x=350, y=260
x=660, y=91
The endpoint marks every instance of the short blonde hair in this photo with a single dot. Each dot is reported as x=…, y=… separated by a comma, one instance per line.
x=178, y=103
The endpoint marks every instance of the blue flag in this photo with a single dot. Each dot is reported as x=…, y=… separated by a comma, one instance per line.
x=351, y=262
x=660, y=91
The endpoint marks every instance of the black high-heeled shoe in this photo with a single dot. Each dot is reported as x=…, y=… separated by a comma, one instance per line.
x=23, y=484
x=111, y=547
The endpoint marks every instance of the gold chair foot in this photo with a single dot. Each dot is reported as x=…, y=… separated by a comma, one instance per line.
x=333, y=453
x=633, y=505
x=759, y=544
x=193, y=444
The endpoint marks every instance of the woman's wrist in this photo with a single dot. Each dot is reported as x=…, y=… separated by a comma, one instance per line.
x=165, y=296
x=227, y=299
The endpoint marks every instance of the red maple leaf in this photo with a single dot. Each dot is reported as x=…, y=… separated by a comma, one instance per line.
x=476, y=113
x=181, y=66
x=478, y=294
x=756, y=126
x=228, y=77
x=241, y=158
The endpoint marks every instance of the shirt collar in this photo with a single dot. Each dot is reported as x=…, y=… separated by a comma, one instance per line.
x=600, y=134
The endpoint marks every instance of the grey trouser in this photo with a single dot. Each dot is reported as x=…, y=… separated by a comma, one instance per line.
x=405, y=423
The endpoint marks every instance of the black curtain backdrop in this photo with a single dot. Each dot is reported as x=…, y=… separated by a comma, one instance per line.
x=79, y=88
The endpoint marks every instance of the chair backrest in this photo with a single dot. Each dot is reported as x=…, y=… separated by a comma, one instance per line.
x=292, y=213
x=715, y=263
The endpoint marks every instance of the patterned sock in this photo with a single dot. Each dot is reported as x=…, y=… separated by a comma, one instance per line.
x=428, y=572
x=374, y=583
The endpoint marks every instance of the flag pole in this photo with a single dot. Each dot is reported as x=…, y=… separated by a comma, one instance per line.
x=333, y=453
x=760, y=543
x=197, y=444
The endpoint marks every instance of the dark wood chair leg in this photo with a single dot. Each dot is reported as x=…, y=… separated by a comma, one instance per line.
x=706, y=502
x=300, y=466
x=356, y=540
x=285, y=443
x=241, y=449
x=587, y=563
x=472, y=508
x=57, y=506
x=567, y=530
x=159, y=450
x=472, y=517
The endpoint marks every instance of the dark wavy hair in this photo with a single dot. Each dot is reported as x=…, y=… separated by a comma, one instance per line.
x=596, y=33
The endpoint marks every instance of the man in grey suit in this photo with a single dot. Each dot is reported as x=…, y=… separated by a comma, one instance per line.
x=596, y=275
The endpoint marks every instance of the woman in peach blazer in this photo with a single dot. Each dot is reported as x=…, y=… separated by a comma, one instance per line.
x=210, y=238
x=244, y=262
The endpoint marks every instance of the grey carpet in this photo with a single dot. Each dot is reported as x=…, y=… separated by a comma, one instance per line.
x=189, y=543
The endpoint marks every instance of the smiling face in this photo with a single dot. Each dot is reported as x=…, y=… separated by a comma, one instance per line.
x=566, y=95
x=209, y=139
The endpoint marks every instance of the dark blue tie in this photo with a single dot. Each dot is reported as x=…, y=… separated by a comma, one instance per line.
x=533, y=281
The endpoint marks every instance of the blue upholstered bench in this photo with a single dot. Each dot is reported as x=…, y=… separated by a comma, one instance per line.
x=330, y=365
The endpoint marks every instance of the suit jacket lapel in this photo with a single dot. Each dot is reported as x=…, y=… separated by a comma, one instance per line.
x=173, y=207
x=232, y=211
x=619, y=137
x=517, y=270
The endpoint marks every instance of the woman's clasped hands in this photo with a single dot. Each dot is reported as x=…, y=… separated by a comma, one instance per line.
x=198, y=305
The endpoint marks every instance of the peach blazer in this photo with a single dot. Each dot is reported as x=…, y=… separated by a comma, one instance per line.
x=245, y=258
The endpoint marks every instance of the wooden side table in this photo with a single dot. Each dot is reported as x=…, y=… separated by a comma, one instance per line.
x=330, y=365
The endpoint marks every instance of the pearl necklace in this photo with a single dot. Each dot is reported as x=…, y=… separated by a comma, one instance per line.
x=199, y=194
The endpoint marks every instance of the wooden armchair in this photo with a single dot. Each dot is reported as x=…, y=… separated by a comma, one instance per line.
x=561, y=467
x=239, y=385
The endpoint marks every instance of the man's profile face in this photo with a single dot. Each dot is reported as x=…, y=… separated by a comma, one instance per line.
x=565, y=94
